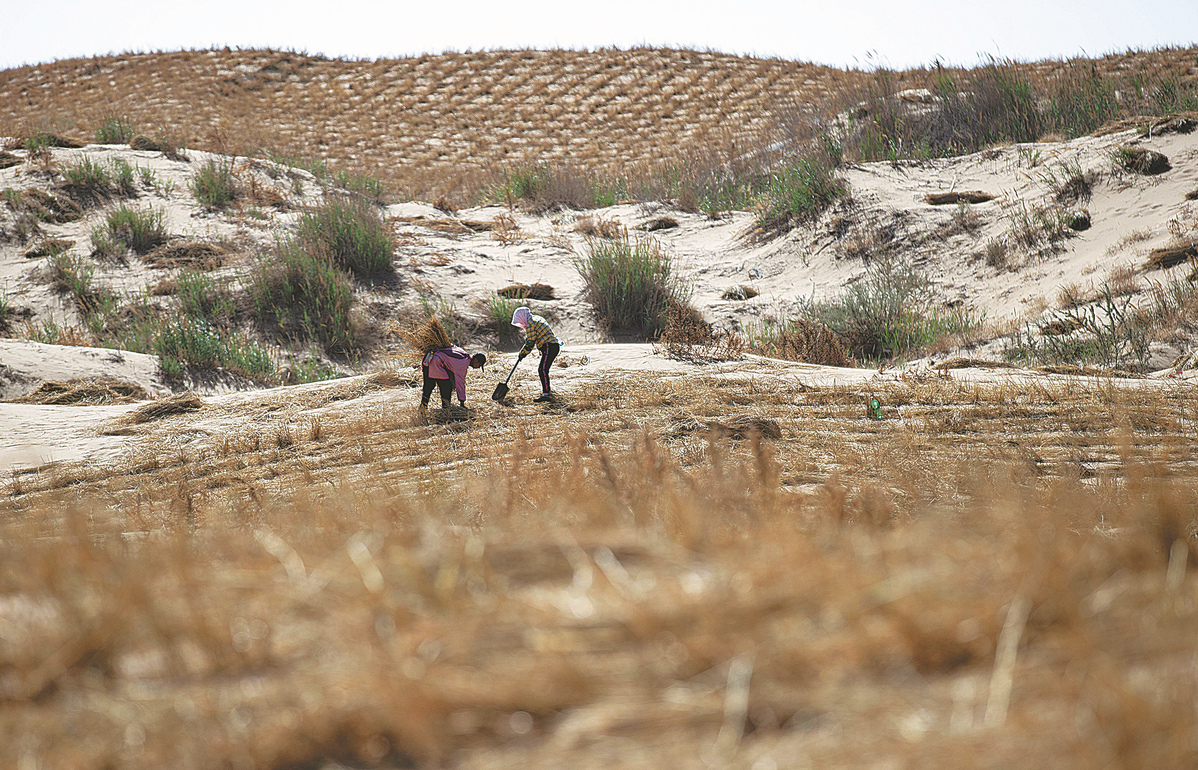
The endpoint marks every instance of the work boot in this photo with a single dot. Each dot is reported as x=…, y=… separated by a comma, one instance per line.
x=543, y=398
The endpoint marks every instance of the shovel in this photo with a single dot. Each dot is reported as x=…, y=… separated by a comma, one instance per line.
x=501, y=389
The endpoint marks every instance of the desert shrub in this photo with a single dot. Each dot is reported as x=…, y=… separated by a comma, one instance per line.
x=1038, y=229
x=1108, y=332
x=1070, y=184
x=891, y=312
x=213, y=184
x=5, y=312
x=362, y=184
x=122, y=177
x=201, y=297
x=87, y=175
x=797, y=339
x=497, y=317
x=543, y=188
x=196, y=343
x=798, y=190
x=75, y=276
x=629, y=283
x=687, y=337
x=349, y=232
x=114, y=129
x=298, y=293
x=130, y=228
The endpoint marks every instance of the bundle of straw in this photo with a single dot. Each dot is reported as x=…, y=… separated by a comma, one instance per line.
x=428, y=337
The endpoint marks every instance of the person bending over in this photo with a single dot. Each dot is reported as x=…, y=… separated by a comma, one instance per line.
x=446, y=369
x=537, y=334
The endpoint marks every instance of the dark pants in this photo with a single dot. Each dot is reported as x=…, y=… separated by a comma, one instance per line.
x=548, y=353
x=446, y=387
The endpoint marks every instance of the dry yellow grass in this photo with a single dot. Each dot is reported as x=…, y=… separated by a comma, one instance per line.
x=992, y=575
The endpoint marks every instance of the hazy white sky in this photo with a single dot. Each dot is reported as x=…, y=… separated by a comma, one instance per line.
x=857, y=33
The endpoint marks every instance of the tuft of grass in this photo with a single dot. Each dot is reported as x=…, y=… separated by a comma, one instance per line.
x=122, y=177
x=127, y=227
x=300, y=294
x=76, y=276
x=630, y=283
x=797, y=191
x=115, y=129
x=202, y=297
x=87, y=175
x=185, y=343
x=797, y=339
x=213, y=184
x=497, y=317
x=543, y=188
x=349, y=232
x=891, y=312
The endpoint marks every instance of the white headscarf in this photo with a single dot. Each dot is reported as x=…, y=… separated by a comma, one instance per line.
x=521, y=317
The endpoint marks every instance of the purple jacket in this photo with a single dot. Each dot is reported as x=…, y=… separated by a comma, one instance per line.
x=449, y=363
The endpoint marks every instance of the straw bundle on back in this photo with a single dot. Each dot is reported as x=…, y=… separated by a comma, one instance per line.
x=428, y=337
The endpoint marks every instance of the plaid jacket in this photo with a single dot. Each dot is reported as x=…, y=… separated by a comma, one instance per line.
x=538, y=335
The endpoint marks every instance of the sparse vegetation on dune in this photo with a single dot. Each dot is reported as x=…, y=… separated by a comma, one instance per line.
x=539, y=588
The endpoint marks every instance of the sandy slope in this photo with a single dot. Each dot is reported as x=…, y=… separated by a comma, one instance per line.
x=1131, y=214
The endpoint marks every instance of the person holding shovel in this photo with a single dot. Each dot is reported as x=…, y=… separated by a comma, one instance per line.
x=446, y=368
x=538, y=334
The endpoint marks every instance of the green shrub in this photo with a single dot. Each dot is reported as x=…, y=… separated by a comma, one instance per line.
x=301, y=294
x=134, y=228
x=891, y=312
x=5, y=312
x=75, y=276
x=122, y=177
x=115, y=130
x=351, y=233
x=202, y=298
x=87, y=175
x=630, y=283
x=798, y=191
x=497, y=317
x=198, y=344
x=213, y=184
x=1110, y=332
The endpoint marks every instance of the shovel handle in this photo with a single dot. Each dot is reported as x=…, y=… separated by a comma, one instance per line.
x=513, y=371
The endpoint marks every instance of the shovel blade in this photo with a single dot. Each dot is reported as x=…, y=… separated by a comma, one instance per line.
x=500, y=392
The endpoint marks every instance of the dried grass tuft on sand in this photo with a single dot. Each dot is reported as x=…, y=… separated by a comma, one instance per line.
x=180, y=403
x=541, y=291
x=85, y=392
